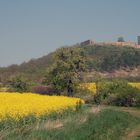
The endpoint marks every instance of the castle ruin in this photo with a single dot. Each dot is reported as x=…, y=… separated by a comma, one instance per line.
x=125, y=43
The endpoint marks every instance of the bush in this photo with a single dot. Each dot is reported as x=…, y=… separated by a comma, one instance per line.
x=44, y=90
x=18, y=84
x=85, y=94
x=117, y=93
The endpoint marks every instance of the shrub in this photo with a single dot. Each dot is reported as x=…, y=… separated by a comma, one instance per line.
x=18, y=84
x=117, y=93
x=44, y=90
x=85, y=94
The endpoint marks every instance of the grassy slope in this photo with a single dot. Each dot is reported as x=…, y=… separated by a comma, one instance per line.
x=89, y=124
x=35, y=69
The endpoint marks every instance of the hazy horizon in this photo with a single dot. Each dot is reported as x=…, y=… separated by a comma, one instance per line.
x=33, y=28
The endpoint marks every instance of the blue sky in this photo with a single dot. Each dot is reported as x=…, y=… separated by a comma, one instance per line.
x=33, y=28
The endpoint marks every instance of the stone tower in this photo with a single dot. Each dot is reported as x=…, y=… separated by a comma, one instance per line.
x=138, y=40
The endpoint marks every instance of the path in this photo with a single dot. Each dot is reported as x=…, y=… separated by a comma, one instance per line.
x=134, y=133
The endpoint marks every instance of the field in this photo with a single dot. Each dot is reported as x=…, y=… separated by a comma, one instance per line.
x=137, y=85
x=16, y=105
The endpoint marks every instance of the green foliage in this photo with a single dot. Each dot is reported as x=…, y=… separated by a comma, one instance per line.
x=79, y=105
x=121, y=39
x=18, y=84
x=33, y=70
x=129, y=57
x=117, y=93
x=85, y=94
x=65, y=72
x=108, y=58
x=98, y=58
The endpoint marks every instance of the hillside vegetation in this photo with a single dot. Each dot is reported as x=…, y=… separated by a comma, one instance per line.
x=99, y=58
x=108, y=58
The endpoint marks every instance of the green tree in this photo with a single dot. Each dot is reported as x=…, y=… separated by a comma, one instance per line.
x=18, y=84
x=121, y=39
x=64, y=74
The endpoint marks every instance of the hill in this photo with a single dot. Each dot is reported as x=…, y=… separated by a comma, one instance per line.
x=32, y=70
x=100, y=60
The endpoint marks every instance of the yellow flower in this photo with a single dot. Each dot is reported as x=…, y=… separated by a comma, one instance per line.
x=88, y=86
x=137, y=85
x=16, y=105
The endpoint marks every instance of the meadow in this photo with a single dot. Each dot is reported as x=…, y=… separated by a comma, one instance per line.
x=88, y=123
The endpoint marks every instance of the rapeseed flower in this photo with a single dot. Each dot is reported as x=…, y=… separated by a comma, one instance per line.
x=16, y=105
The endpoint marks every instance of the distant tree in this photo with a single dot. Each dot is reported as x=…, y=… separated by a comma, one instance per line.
x=64, y=74
x=121, y=39
x=18, y=84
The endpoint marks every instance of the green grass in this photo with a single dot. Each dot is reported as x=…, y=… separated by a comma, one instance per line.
x=108, y=124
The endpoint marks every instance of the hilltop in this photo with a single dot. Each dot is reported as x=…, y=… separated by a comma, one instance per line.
x=103, y=60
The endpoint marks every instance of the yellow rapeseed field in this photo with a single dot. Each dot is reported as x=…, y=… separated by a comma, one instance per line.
x=89, y=86
x=16, y=105
x=92, y=86
x=137, y=85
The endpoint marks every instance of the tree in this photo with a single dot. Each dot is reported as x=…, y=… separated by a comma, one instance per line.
x=121, y=39
x=64, y=74
x=18, y=84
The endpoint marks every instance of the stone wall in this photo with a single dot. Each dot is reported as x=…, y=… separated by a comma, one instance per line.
x=119, y=44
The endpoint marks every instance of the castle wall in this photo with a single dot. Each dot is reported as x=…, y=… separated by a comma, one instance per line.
x=87, y=42
x=119, y=44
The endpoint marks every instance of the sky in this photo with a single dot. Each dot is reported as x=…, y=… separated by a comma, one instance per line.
x=33, y=28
